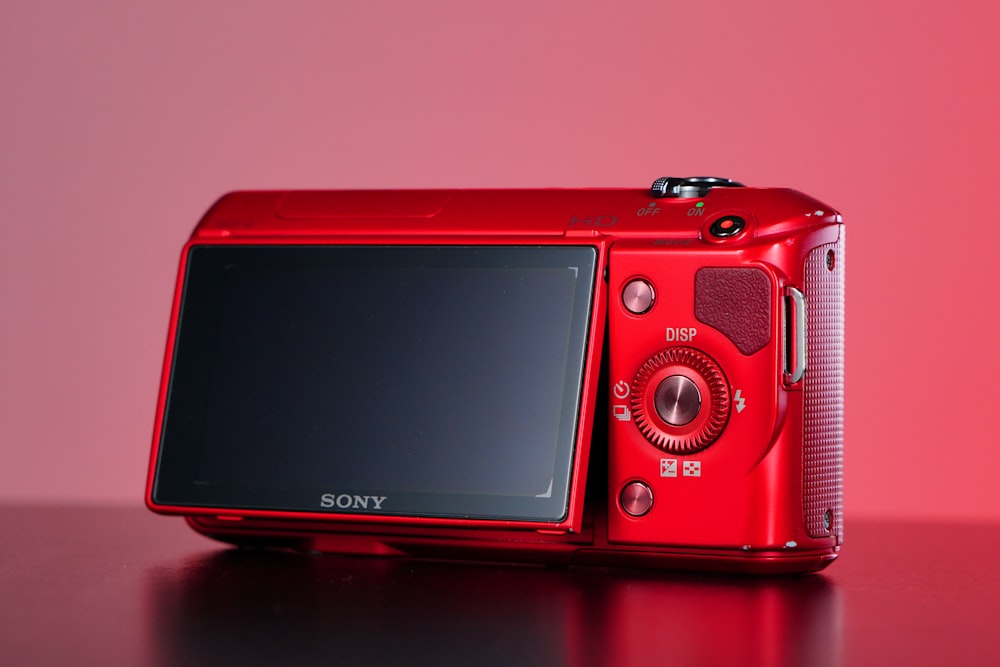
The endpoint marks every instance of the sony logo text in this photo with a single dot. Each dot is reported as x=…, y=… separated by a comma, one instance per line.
x=346, y=501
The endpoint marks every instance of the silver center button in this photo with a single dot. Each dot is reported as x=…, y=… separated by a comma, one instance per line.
x=677, y=400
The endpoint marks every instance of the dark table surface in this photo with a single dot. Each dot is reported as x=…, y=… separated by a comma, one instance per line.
x=121, y=586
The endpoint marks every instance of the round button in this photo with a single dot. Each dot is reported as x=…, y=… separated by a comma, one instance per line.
x=727, y=226
x=638, y=296
x=680, y=400
x=677, y=400
x=637, y=498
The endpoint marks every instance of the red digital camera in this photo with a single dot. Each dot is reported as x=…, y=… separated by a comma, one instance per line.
x=647, y=377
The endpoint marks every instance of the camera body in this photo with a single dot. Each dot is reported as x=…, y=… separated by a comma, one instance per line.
x=648, y=377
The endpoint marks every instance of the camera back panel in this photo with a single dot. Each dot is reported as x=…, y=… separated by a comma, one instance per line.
x=419, y=373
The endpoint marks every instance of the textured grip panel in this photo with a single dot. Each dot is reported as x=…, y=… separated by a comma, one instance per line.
x=823, y=391
x=737, y=302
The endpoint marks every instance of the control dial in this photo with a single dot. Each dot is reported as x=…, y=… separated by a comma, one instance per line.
x=680, y=400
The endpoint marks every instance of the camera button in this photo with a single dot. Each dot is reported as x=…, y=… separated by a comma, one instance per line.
x=672, y=415
x=638, y=296
x=677, y=400
x=636, y=499
x=726, y=226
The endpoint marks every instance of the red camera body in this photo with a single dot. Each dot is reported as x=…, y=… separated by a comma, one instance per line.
x=647, y=377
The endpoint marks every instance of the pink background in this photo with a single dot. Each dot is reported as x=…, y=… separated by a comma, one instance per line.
x=122, y=121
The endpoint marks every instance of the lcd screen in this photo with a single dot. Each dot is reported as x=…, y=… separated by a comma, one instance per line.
x=435, y=381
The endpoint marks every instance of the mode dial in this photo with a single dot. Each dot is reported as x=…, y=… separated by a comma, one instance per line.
x=680, y=400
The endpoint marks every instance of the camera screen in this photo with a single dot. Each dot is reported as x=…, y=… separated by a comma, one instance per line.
x=435, y=381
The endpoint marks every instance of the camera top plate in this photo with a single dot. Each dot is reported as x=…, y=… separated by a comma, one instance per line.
x=740, y=214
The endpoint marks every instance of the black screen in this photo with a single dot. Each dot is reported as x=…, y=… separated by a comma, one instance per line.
x=444, y=379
